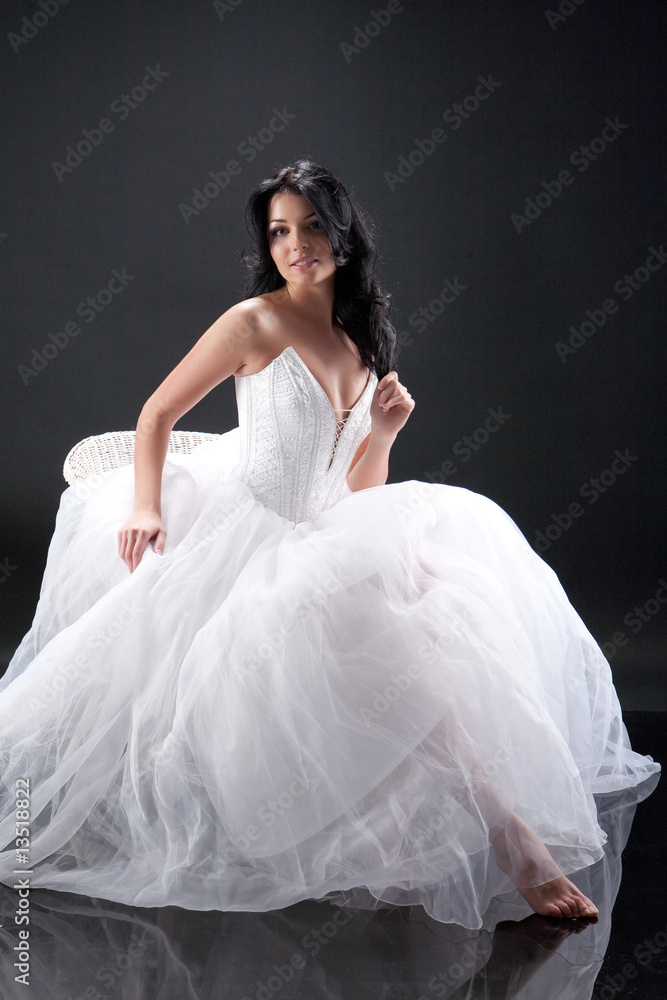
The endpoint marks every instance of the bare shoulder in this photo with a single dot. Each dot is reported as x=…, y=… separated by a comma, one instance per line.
x=259, y=328
x=244, y=329
x=245, y=315
x=261, y=314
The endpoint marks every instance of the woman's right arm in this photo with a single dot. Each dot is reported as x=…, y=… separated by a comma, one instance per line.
x=226, y=346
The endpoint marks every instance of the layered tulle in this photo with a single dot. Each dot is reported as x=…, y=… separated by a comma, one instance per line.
x=357, y=707
x=176, y=954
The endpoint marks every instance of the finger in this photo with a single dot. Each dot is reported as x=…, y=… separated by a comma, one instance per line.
x=138, y=550
x=158, y=545
x=390, y=390
x=393, y=385
x=128, y=555
x=389, y=377
x=398, y=404
x=123, y=544
x=399, y=396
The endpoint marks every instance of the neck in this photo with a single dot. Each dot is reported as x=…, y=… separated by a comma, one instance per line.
x=314, y=304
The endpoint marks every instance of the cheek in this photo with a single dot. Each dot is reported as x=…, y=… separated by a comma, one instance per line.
x=324, y=247
x=276, y=255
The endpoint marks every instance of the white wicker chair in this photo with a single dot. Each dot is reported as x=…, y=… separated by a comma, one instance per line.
x=103, y=452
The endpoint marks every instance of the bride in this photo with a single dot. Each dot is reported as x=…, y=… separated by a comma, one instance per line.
x=310, y=684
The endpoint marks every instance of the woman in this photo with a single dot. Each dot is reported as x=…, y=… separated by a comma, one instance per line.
x=311, y=683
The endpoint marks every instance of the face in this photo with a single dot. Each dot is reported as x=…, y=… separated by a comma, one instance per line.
x=298, y=244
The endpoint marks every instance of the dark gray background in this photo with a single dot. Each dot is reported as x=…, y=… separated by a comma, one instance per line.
x=451, y=219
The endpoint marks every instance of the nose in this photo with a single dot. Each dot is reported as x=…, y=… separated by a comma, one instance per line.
x=300, y=238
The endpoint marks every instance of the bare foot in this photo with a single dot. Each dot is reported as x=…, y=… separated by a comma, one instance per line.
x=523, y=856
x=559, y=898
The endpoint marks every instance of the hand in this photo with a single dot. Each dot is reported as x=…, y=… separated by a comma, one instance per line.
x=391, y=406
x=133, y=537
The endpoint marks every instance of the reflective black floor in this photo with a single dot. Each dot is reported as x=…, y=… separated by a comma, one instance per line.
x=85, y=949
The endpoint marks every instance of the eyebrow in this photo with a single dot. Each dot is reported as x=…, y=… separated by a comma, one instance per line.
x=309, y=216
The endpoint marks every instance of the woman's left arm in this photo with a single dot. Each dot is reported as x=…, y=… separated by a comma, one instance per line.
x=391, y=406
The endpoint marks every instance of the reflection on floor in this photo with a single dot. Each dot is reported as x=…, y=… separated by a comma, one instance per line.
x=86, y=948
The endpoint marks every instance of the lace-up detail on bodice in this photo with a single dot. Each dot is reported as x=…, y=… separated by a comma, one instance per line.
x=295, y=450
x=340, y=423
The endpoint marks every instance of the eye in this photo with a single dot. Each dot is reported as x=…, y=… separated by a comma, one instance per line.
x=277, y=231
x=316, y=224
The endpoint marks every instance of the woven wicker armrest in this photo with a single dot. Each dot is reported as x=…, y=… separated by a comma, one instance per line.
x=103, y=452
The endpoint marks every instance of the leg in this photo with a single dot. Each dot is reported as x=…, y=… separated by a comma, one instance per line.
x=517, y=849
x=520, y=853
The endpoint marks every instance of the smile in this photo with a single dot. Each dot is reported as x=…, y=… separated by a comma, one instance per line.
x=305, y=262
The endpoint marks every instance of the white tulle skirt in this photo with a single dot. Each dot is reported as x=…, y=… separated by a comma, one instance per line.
x=355, y=708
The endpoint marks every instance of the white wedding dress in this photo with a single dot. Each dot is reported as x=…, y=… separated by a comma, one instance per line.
x=312, y=693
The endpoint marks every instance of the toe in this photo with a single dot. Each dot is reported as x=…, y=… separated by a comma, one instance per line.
x=584, y=908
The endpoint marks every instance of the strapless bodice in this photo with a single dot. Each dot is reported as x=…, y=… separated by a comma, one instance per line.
x=294, y=454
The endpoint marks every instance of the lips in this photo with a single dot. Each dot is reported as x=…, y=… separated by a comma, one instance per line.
x=304, y=261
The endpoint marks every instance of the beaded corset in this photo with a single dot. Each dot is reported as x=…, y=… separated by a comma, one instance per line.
x=295, y=453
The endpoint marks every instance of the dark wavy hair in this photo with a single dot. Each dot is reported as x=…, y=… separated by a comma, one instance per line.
x=359, y=306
